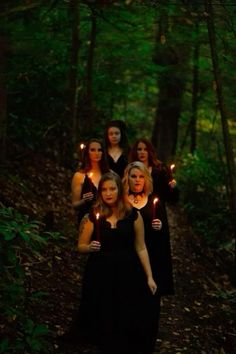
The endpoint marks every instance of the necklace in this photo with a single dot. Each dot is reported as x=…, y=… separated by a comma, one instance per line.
x=137, y=197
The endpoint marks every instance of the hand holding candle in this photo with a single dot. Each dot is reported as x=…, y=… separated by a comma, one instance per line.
x=172, y=182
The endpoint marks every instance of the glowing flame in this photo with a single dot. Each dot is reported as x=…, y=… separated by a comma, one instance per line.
x=82, y=146
x=155, y=200
x=90, y=174
x=97, y=216
x=172, y=166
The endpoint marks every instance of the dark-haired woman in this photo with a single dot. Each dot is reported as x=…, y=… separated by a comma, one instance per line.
x=85, y=181
x=116, y=146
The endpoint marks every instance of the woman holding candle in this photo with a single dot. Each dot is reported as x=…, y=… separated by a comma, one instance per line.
x=85, y=180
x=164, y=185
x=138, y=189
x=116, y=146
x=114, y=287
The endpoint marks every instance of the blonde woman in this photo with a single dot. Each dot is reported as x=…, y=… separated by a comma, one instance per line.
x=138, y=189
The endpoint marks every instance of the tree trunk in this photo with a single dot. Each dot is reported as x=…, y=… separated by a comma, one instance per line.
x=3, y=96
x=171, y=85
x=193, y=121
x=87, y=111
x=73, y=72
x=224, y=121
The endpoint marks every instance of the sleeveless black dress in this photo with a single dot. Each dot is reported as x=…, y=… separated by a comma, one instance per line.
x=158, y=246
x=113, y=311
x=84, y=209
x=118, y=166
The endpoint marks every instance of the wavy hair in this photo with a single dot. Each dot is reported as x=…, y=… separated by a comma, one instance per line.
x=148, y=185
x=123, y=136
x=152, y=156
x=123, y=206
x=86, y=163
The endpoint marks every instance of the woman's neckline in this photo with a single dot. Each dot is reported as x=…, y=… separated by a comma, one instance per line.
x=138, y=200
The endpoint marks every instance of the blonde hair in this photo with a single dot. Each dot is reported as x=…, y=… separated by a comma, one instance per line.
x=148, y=185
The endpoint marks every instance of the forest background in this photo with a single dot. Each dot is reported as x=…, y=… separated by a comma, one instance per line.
x=167, y=68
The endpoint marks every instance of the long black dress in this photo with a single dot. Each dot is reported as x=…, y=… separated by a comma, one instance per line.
x=84, y=209
x=159, y=250
x=113, y=311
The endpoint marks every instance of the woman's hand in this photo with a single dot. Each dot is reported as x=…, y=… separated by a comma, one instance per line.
x=152, y=285
x=86, y=197
x=94, y=246
x=156, y=224
x=172, y=183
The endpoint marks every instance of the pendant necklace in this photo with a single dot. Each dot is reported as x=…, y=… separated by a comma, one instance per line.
x=136, y=197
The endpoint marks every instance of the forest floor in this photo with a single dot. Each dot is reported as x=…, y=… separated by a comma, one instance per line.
x=200, y=318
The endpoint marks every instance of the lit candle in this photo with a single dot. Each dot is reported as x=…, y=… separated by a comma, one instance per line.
x=90, y=175
x=172, y=167
x=155, y=201
x=82, y=147
x=98, y=226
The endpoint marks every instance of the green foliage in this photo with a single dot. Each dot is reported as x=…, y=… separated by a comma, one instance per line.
x=20, y=243
x=202, y=184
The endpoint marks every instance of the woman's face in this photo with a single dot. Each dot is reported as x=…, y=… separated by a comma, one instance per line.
x=114, y=135
x=109, y=192
x=95, y=152
x=142, y=152
x=136, y=180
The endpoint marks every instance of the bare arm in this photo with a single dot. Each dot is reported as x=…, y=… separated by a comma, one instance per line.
x=76, y=189
x=85, y=245
x=141, y=250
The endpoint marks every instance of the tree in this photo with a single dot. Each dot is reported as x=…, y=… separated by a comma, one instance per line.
x=171, y=85
x=224, y=120
x=3, y=94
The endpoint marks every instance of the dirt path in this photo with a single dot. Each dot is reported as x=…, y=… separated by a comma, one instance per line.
x=197, y=319
x=200, y=318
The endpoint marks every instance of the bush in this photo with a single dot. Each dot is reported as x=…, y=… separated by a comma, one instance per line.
x=20, y=242
x=202, y=183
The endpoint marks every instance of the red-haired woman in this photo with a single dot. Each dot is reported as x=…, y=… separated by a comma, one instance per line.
x=85, y=181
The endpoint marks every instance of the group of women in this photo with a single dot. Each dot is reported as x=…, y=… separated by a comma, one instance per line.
x=119, y=198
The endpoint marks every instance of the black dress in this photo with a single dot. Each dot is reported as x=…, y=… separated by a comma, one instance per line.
x=118, y=166
x=85, y=208
x=159, y=250
x=158, y=246
x=113, y=310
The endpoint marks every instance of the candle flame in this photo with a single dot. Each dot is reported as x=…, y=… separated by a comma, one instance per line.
x=155, y=200
x=97, y=216
x=90, y=174
x=82, y=146
x=172, y=166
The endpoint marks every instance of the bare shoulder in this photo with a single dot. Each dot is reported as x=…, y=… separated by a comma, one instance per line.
x=78, y=177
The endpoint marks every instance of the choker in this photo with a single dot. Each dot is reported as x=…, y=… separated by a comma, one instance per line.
x=136, y=196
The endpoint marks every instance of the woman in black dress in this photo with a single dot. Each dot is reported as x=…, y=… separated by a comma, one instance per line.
x=85, y=181
x=114, y=285
x=138, y=188
x=116, y=146
x=164, y=185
